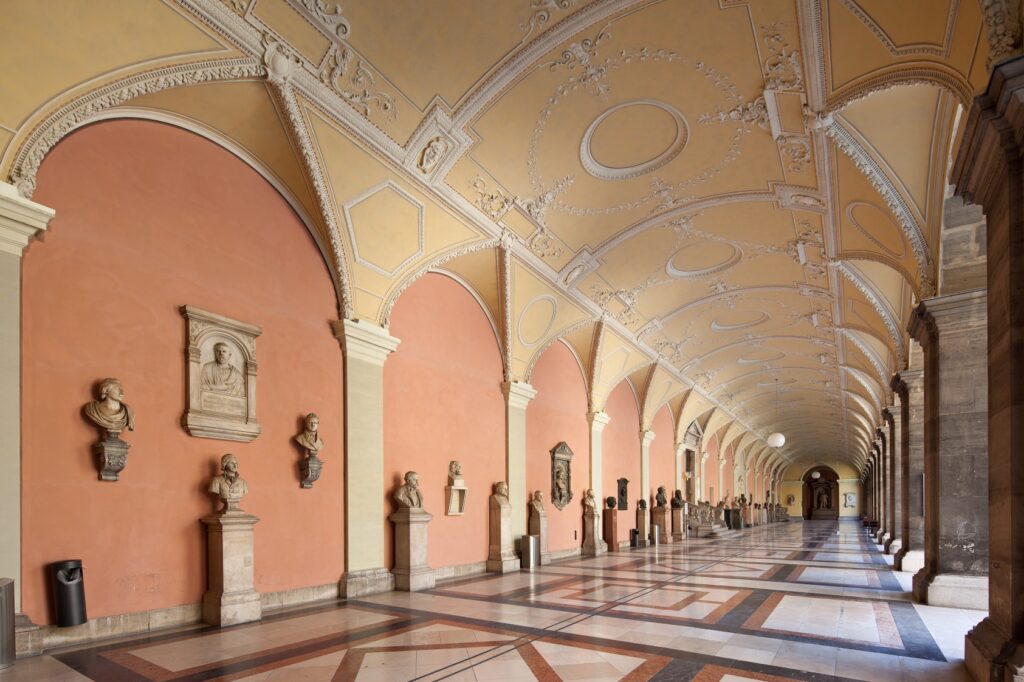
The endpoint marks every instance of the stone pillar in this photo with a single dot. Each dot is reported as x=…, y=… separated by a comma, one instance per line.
x=517, y=397
x=952, y=331
x=230, y=596
x=892, y=542
x=20, y=220
x=680, y=480
x=366, y=347
x=883, y=486
x=901, y=418
x=913, y=378
x=597, y=420
x=988, y=171
x=412, y=573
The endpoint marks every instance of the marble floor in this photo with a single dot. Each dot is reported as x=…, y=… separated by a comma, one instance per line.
x=801, y=601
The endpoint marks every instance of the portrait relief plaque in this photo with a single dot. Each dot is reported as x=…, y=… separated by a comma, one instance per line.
x=561, y=475
x=221, y=356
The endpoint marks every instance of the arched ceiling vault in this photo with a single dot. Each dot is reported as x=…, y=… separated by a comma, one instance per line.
x=731, y=204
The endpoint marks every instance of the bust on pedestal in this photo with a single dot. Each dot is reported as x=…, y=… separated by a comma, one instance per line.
x=610, y=520
x=455, y=490
x=230, y=596
x=501, y=554
x=411, y=570
x=678, y=510
x=113, y=416
x=659, y=515
x=539, y=525
x=592, y=544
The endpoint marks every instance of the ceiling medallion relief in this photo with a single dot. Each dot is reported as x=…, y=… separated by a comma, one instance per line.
x=862, y=207
x=536, y=320
x=730, y=326
x=607, y=172
x=695, y=264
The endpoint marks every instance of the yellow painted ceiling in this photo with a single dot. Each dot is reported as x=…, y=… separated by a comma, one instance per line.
x=688, y=195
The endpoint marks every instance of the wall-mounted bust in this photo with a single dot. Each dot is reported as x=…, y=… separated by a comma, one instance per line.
x=110, y=412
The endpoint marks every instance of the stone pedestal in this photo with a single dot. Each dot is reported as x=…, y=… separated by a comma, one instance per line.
x=952, y=331
x=111, y=456
x=677, y=524
x=230, y=598
x=659, y=517
x=747, y=517
x=456, y=498
x=735, y=519
x=539, y=526
x=411, y=570
x=611, y=529
x=593, y=545
x=642, y=529
x=501, y=553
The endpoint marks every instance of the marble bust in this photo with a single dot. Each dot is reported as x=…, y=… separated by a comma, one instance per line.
x=677, y=499
x=409, y=495
x=641, y=504
x=220, y=376
x=455, y=474
x=228, y=485
x=589, y=503
x=110, y=412
x=610, y=502
x=660, y=499
x=537, y=503
x=501, y=492
x=309, y=439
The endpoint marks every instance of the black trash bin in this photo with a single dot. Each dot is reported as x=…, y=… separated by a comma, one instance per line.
x=67, y=584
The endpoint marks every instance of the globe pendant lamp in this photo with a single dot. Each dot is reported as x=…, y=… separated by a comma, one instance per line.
x=776, y=440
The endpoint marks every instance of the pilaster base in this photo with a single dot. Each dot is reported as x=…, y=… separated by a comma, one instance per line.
x=231, y=609
x=355, y=584
x=28, y=637
x=990, y=656
x=912, y=561
x=414, y=579
x=956, y=591
x=503, y=564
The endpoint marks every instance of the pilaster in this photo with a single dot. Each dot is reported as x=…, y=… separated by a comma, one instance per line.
x=517, y=397
x=646, y=438
x=680, y=479
x=597, y=420
x=366, y=347
x=883, y=486
x=952, y=331
x=20, y=220
x=893, y=542
x=913, y=378
x=988, y=171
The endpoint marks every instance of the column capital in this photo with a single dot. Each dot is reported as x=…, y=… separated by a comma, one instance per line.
x=646, y=437
x=598, y=420
x=364, y=341
x=20, y=219
x=680, y=448
x=518, y=394
x=962, y=311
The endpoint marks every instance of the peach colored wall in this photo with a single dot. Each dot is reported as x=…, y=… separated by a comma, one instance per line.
x=620, y=452
x=663, y=454
x=710, y=478
x=559, y=412
x=151, y=217
x=728, y=477
x=443, y=401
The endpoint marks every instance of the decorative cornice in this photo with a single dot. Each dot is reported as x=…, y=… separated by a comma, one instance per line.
x=364, y=341
x=518, y=394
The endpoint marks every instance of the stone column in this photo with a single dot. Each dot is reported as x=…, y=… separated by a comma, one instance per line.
x=902, y=421
x=517, y=397
x=952, y=331
x=230, y=597
x=913, y=378
x=883, y=486
x=892, y=543
x=20, y=220
x=366, y=347
x=988, y=170
x=598, y=420
x=680, y=480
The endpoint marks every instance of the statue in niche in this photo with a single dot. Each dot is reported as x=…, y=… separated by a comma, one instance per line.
x=623, y=488
x=409, y=495
x=113, y=415
x=561, y=475
x=660, y=500
x=228, y=485
x=309, y=440
x=110, y=412
x=220, y=376
x=610, y=502
x=677, y=500
x=822, y=499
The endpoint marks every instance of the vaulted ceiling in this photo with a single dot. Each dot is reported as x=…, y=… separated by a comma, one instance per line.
x=732, y=204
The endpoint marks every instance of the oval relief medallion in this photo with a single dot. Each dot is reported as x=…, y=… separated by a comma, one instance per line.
x=633, y=138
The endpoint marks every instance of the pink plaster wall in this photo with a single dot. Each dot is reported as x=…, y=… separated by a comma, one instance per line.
x=620, y=452
x=710, y=478
x=151, y=217
x=663, y=454
x=443, y=401
x=559, y=412
x=728, y=475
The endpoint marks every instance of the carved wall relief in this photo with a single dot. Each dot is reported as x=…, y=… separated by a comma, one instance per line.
x=561, y=475
x=221, y=355
x=623, y=499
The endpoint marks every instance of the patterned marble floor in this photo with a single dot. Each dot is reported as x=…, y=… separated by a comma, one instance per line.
x=796, y=601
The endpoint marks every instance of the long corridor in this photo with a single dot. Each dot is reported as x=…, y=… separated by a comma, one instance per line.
x=806, y=601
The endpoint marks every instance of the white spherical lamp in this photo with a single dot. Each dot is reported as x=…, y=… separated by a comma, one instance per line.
x=776, y=440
